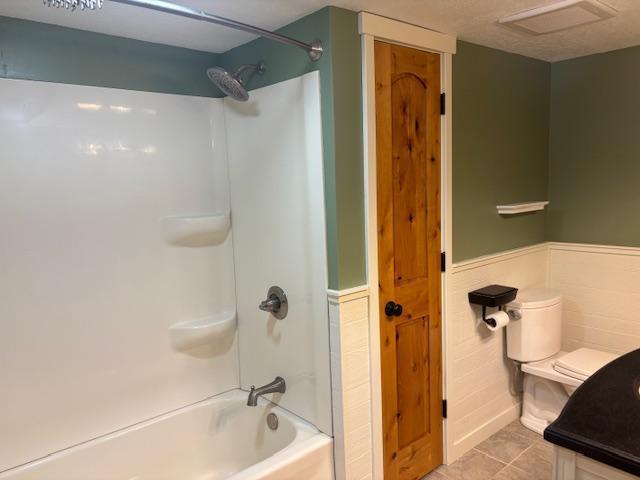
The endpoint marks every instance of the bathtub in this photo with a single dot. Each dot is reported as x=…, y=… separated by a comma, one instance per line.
x=219, y=438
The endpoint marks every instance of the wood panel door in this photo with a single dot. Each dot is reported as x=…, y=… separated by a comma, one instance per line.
x=408, y=183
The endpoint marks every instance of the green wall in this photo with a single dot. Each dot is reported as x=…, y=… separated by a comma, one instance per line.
x=500, y=148
x=341, y=97
x=527, y=130
x=38, y=51
x=594, y=154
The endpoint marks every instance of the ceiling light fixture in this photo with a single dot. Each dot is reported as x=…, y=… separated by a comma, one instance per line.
x=558, y=16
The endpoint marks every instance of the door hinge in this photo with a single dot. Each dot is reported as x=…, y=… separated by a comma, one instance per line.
x=443, y=262
x=443, y=103
x=444, y=409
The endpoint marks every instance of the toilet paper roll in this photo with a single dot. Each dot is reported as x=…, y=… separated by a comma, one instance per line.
x=501, y=319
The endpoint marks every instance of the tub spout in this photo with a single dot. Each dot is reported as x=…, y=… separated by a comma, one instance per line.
x=277, y=386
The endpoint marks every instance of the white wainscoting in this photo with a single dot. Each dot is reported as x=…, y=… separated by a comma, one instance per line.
x=351, y=383
x=601, y=295
x=477, y=371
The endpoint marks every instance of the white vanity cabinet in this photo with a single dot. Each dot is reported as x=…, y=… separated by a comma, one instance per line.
x=569, y=465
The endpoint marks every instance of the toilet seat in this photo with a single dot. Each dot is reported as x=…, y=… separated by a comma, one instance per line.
x=582, y=363
x=570, y=368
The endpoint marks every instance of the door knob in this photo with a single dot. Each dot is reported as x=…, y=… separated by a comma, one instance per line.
x=393, y=309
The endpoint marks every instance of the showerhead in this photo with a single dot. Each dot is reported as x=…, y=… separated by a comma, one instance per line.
x=232, y=84
x=73, y=4
x=228, y=83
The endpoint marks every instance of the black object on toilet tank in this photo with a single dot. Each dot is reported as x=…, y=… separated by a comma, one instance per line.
x=492, y=296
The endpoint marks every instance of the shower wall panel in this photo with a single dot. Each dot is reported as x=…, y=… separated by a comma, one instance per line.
x=275, y=163
x=89, y=285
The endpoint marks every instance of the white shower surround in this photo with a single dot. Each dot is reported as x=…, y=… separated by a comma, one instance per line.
x=91, y=285
x=281, y=241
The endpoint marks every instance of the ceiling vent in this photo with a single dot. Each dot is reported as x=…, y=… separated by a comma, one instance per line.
x=558, y=16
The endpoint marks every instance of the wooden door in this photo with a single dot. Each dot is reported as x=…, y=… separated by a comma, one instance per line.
x=408, y=182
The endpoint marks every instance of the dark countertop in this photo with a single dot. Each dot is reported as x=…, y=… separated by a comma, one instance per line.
x=601, y=420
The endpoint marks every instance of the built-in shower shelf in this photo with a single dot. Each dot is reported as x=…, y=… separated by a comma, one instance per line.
x=524, y=207
x=204, y=331
x=196, y=231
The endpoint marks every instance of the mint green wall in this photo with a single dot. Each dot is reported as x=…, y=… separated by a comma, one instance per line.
x=341, y=97
x=594, y=154
x=38, y=51
x=505, y=108
x=500, y=148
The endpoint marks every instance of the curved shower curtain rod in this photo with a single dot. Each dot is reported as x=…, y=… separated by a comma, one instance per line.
x=314, y=50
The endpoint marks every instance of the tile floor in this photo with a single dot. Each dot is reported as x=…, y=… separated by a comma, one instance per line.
x=514, y=453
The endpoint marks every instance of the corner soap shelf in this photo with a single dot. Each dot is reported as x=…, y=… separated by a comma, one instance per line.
x=208, y=330
x=512, y=208
x=196, y=231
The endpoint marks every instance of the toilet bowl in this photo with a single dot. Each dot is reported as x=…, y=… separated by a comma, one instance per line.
x=550, y=375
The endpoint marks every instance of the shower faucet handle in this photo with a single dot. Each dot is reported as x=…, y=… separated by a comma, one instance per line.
x=272, y=304
x=276, y=303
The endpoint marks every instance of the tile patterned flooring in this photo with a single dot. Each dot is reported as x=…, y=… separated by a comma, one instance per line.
x=514, y=453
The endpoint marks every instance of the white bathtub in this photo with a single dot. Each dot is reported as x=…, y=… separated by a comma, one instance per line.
x=220, y=438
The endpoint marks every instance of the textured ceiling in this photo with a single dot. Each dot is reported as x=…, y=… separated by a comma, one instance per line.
x=471, y=20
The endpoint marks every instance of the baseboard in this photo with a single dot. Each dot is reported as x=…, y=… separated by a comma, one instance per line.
x=481, y=433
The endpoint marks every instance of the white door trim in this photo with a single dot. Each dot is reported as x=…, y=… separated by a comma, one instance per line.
x=371, y=28
x=394, y=31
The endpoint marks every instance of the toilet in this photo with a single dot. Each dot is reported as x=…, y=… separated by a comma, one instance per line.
x=534, y=336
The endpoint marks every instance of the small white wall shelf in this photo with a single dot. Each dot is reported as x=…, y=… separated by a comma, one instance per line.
x=209, y=330
x=524, y=207
x=196, y=231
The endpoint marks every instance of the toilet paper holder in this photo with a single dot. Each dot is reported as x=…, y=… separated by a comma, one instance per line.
x=492, y=296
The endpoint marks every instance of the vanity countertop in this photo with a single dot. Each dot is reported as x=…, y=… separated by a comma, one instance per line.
x=601, y=420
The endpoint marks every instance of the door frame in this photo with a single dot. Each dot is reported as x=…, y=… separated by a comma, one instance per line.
x=371, y=28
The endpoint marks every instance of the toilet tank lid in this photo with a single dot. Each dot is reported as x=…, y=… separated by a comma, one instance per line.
x=536, y=298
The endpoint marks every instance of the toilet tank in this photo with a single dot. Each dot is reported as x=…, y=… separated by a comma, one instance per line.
x=537, y=334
